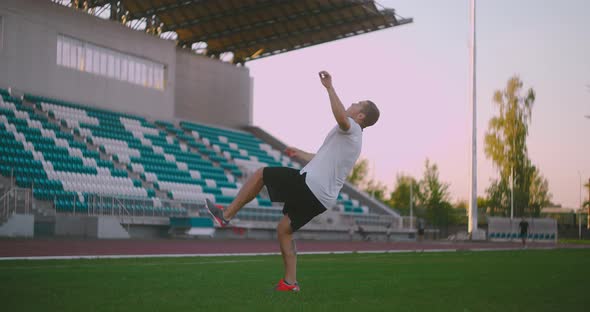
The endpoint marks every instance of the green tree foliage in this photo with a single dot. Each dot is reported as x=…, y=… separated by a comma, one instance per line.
x=539, y=195
x=434, y=197
x=460, y=212
x=505, y=145
x=482, y=204
x=399, y=198
x=359, y=178
x=498, y=198
x=359, y=173
x=376, y=189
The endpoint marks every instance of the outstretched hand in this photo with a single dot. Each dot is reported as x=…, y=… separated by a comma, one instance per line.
x=326, y=79
x=297, y=153
x=292, y=151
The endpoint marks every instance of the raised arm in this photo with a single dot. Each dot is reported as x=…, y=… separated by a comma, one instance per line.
x=337, y=107
x=295, y=152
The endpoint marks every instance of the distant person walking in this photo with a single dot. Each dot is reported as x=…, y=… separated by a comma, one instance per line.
x=524, y=230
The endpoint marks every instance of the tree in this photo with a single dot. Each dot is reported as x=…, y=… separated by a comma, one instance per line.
x=463, y=204
x=376, y=189
x=432, y=190
x=539, y=193
x=358, y=177
x=505, y=145
x=483, y=204
x=498, y=198
x=434, y=196
x=460, y=212
x=359, y=173
x=399, y=198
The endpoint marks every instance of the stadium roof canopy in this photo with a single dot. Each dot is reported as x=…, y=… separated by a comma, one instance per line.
x=253, y=29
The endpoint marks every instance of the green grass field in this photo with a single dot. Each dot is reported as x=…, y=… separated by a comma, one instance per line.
x=527, y=280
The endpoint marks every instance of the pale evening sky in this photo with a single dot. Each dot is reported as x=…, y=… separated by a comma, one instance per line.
x=418, y=76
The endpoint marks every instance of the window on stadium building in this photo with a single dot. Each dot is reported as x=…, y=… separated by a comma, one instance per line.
x=86, y=57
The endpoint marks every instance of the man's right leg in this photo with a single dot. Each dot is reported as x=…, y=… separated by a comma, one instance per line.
x=247, y=193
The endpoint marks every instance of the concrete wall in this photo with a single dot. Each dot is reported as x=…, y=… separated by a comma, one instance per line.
x=28, y=58
x=110, y=227
x=89, y=227
x=148, y=231
x=18, y=225
x=212, y=92
x=76, y=226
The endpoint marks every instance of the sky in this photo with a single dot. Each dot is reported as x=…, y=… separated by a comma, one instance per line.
x=418, y=75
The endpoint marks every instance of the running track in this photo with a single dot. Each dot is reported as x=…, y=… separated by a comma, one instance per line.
x=22, y=248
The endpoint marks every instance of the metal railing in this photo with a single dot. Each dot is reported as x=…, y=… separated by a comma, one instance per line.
x=101, y=205
x=120, y=206
x=380, y=220
x=408, y=223
x=107, y=205
x=15, y=200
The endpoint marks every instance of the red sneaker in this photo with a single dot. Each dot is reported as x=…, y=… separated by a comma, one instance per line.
x=216, y=213
x=282, y=286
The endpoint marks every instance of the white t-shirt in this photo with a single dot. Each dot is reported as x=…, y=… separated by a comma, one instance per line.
x=330, y=166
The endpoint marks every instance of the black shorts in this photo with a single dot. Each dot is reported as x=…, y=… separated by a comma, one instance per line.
x=286, y=185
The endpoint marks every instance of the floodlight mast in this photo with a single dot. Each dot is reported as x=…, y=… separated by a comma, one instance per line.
x=472, y=222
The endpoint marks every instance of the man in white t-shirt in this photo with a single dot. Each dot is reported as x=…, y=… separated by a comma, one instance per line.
x=309, y=192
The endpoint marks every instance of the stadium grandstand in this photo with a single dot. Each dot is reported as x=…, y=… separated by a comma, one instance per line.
x=119, y=118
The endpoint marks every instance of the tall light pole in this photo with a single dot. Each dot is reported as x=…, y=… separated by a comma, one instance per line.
x=588, y=214
x=472, y=226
